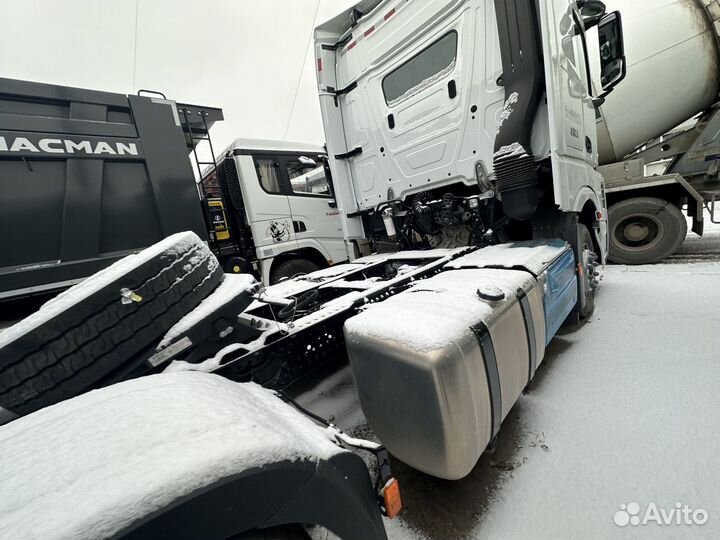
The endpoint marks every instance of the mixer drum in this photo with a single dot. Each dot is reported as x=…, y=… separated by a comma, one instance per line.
x=672, y=54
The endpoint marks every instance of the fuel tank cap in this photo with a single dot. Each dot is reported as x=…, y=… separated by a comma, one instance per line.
x=490, y=293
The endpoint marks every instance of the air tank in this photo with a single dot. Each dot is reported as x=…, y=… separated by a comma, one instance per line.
x=673, y=72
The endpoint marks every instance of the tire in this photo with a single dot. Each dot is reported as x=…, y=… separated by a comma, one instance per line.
x=88, y=335
x=237, y=265
x=644, y=230
x=587, y=289
x=286, y=532
x=291, y=268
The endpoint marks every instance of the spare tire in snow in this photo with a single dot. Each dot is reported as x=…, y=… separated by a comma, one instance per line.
x=90, y=334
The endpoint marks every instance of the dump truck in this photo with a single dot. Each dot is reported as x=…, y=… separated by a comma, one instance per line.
x=88, y=177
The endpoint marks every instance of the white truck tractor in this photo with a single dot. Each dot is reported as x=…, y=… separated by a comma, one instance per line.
x=401, y=137
x=463, y=144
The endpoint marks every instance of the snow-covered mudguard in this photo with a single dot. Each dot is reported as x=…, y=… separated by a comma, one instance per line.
x=335, y=493
x=182, y=455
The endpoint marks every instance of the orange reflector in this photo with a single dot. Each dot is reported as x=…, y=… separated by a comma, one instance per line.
x=391, y=497
x=598, y=215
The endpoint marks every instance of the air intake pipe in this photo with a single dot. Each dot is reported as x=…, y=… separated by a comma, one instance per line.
x=524, y=81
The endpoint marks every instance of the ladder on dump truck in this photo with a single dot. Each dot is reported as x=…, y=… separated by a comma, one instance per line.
x=195, y=139
x=195, y=123
x=201, y=118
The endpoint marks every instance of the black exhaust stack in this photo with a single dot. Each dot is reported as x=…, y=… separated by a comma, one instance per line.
x=524, y=80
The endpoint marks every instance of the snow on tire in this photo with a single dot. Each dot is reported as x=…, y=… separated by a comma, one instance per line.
x=84, y=337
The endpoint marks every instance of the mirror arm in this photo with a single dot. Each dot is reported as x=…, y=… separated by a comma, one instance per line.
x=600, y=100
x=591, y=22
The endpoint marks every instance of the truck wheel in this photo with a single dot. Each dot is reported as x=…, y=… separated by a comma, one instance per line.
x=644, y=230
x=587, y=280
x=291, y=268
x=287, y=532
x=237, y=265
x=86, y=336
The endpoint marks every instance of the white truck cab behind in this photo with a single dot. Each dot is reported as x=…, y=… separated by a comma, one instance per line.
x=453, y=123
x=271, y=208
x=426, y=103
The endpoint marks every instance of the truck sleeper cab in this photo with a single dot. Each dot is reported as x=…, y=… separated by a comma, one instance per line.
x=467, y=122
x=271, y=210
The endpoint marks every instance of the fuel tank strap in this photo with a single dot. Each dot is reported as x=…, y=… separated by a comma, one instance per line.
x=482, y=334
x=529, y=331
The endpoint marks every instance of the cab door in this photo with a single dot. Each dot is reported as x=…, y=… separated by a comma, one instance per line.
x=267, y=203
x=573, y=133
x=315, y=216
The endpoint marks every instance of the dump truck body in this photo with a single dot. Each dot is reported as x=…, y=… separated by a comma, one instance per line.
x=87, y=177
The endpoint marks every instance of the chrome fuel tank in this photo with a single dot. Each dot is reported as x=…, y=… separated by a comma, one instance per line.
x=439, y=366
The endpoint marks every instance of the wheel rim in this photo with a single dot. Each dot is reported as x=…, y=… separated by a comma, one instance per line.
x=638, y=232
x=589, y=260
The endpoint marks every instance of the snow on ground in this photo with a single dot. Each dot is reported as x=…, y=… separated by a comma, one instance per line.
x=623, y=410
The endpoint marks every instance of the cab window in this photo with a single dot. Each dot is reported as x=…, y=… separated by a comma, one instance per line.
x=307, y=179
x=267, y=171
x=428, y=65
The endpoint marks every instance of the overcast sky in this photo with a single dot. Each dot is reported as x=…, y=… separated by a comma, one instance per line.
x=246, y=56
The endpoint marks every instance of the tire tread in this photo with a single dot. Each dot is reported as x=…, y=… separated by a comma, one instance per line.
x=72, y=353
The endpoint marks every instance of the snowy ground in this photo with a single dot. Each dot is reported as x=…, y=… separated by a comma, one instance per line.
x=623, y=410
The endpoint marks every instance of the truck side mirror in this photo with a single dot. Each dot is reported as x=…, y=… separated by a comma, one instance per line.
x=613, y=65
x=307, y=161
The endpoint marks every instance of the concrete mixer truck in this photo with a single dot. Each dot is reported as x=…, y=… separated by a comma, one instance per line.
x=654, y=169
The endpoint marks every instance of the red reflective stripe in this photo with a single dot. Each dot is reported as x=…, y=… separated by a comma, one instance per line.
x=351, y=45
x=369, y=31
x=319, y=64
x=390, y=14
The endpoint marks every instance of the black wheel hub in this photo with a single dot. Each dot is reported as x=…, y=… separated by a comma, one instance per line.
x=638, y=232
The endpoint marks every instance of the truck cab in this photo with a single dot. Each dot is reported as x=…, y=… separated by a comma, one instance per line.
x=468, y=122
x=271, y=209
